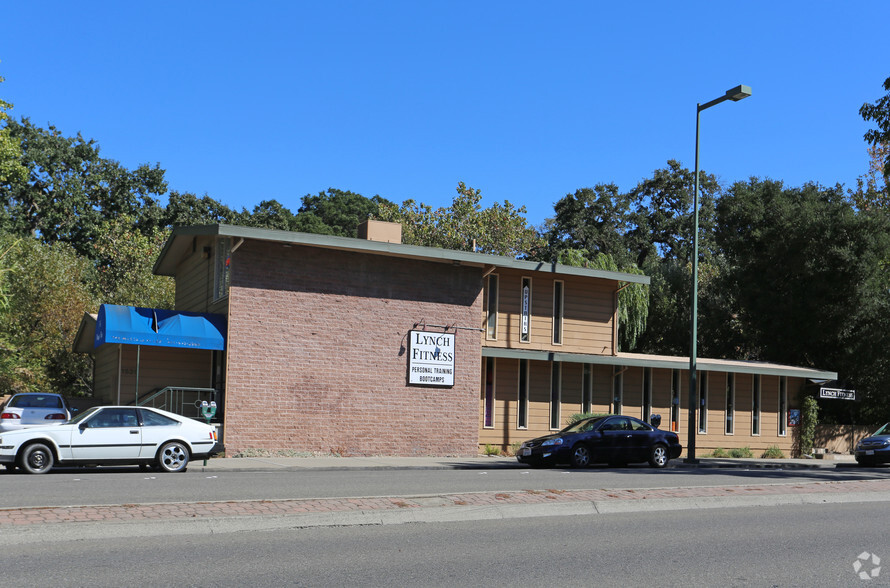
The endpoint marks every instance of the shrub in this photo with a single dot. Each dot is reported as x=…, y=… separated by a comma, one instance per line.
x=809, y=418
x=719, y=452
x=741, y=452
x=514, y=448
x=773, y=452
x=492, y=449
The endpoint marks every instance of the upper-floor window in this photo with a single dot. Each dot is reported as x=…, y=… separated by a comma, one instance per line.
x=491, y=322
x=222, y=263
x=525, y=296
x=557, y=311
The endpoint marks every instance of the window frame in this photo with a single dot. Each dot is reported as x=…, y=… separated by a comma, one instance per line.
x=555, y=395
x=525, y=310
x=702, y=403
x=675, y=401
x=558, y=317
x=522, y=400
x=222, y=268
x=488, y=401
x=587, y=388
x=783, y=407
x=756, y=406
x=617, y=392
x=729, y=412
x=492, y=285
x=647, y=394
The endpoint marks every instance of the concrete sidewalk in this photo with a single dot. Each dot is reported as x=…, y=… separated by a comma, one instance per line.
x=333, y=463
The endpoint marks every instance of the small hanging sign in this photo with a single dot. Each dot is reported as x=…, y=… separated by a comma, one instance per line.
x=431, y=358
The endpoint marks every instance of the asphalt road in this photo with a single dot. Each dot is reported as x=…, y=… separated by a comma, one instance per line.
x=809, y=545
x=130, y=486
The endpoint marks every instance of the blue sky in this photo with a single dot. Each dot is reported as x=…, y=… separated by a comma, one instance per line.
x=527, y=101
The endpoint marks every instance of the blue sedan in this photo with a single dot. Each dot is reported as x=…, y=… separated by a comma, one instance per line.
x=613, y=439
x=875, y=449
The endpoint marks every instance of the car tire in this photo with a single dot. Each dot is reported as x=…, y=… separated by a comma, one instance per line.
x=659, y=457
x=173, y=457
x=36, y=458
x=580, y=456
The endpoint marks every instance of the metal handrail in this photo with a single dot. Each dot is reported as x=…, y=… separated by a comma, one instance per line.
x=181, y=400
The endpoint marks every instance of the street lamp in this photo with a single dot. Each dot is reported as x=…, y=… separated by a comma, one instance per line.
x=735, y=95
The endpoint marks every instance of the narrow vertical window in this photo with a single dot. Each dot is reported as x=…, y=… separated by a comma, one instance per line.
x=675, y=401
x=526, y=298
x=647, y=393
x=783, y=406
x=730, y=403
x=555, y=393
x=222, y=264
x=488, y=419
x=703, y=402
x=557, y=312
x=522, y=417
x=491, y=325
x=587, y=389
x=755, y=407
x=617, y=392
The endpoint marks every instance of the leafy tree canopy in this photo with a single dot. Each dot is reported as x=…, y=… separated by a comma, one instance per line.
x=11, y=167
x=879, y=113
x=70, y=189
x=500, y=229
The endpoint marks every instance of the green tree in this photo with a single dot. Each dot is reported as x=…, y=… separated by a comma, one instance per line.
x=336, y=212
x=70, y=189
x=879, y=113
x=11, y=168
x=47, y=294
x=662, y=214
x=806, y=270
x=500, y=229
x=124, y=258
x=595, y=220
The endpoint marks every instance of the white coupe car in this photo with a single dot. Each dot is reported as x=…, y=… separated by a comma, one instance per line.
x=111, y=435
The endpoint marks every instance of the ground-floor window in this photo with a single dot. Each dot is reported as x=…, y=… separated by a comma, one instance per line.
x=555, y=393
x=522, y=418
x=783, y=406
x=488, y=419
x=617, y=392
x=647, y=393
x=730, y=402
x=702, y=402
x=755, y=407
x=675, y=400
x=587, y=389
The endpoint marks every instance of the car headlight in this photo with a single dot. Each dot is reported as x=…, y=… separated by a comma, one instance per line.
x=557, y=441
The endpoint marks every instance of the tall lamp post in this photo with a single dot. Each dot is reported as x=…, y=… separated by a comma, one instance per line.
x=735, y=95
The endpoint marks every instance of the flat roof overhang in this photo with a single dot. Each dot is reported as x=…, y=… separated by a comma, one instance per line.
x=179, y=245
x=665, y=362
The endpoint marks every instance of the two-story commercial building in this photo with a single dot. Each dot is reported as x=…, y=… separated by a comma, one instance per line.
x=369, y=346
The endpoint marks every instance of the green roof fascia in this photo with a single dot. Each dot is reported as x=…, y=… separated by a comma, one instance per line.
x=665, y=362
x=166, y=267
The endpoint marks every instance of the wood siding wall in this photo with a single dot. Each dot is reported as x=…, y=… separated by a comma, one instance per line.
x=505, y=431
x=588, y=313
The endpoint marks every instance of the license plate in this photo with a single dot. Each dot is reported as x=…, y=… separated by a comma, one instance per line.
x=869, y=452
x=526, y=452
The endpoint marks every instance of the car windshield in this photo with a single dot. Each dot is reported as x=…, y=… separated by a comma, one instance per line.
x=84, y=414
x=582, y=426
x=885, y=430
x=36, y=401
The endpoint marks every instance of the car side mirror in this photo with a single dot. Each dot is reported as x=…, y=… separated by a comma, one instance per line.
x=83, y=425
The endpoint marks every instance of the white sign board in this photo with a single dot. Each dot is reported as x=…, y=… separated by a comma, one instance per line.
x=523, y=327
x=431, y=358
x=837, y=393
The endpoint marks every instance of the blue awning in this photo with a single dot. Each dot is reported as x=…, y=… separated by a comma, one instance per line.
x=130, y=325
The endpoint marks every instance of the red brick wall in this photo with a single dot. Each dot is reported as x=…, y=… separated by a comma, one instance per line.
x=317, y=353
